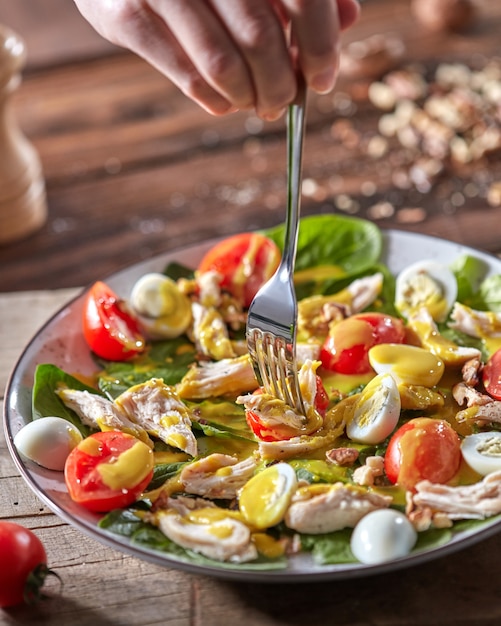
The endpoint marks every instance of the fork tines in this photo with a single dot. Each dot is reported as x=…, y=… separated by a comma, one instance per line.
x=275, y=367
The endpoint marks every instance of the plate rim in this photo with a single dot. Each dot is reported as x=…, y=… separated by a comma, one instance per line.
x=323, y=572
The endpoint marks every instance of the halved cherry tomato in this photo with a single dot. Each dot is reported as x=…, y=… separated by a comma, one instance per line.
x=346, y=348
x=110, y=330
x=281, y=432
x=245, y=262
x=423, y=449
x=491, y=375
x=108, y=470
x=23, y=565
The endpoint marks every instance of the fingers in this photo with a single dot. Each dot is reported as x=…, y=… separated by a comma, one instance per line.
x=231, y=54
x=258, y=32
x=316, y=28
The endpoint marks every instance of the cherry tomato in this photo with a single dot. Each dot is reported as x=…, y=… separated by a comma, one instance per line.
x=23, y=565
x=245, y=262
x=491, y=375
x=346, y=348
x=281, y=432
x=108, y=470
x=423, y=449
x=110, y=331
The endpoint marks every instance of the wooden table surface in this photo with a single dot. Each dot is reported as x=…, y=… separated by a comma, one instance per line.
x=133, y=168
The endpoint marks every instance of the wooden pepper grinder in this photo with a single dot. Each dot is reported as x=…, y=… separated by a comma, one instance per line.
x=23, y=206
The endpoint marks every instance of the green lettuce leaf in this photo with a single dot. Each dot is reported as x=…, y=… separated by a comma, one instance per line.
x=46, y=403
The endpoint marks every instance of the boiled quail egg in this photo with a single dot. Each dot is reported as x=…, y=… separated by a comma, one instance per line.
x=377, y=411
x=265, y=498
x=382, y=535
x=482, y=452
x=426, y=284
x=164, y=312
x=408, y=365
x=48, y=441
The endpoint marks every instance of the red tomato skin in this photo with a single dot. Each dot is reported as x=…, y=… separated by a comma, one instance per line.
x=346, y=348
x=21, y=553
x=109, y=330
x=279, y=432
x=491, y=375
x=423, y=449
x=84, y=483
x=245, y=261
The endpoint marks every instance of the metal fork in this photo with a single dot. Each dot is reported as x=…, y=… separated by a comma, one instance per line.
x=272, y=316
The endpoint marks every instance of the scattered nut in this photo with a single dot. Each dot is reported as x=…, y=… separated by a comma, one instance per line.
x=371, y=57
x=494, y=194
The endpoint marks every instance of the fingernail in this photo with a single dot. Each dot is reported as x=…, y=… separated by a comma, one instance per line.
x=272, y=116
x=324, y=82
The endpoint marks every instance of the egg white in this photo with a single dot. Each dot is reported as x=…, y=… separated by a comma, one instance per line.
x=482, y=452
x=441, y=284
x=48, y=441
x=382, y=535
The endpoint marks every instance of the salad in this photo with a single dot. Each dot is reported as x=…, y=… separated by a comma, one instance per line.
x=174, y=445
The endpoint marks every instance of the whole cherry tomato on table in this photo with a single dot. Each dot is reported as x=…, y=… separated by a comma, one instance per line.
x=23, y=565
x=245, y=262
x=491, y=375
x=423, y=449
x=108, y=470
x=346, y=348
x=110, y=330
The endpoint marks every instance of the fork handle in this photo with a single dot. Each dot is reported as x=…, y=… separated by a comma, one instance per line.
x=295, y=137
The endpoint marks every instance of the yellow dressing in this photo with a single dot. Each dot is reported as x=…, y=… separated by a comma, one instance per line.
x=408, y=364
x=128, y=469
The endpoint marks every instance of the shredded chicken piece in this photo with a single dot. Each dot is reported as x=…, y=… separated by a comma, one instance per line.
x=471, y=371
x=488, y=412
x=480, y=324
x=366, y=474
x=210, y=333
x=316, y=313
x=98, y=412
x=325, y=508
x=462, y=393
x=217, y=476
x=476, y=501
x=296, y=446
x=219, y=378
x=157, y=407
x=222, y=538
x=209, y=290
x=426, y=329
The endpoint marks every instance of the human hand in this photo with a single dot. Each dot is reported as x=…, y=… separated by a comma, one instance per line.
x=228, y=55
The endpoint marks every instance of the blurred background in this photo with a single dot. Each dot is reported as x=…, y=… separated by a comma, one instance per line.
x=409, y=139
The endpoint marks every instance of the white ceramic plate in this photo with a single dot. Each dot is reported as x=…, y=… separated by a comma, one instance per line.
x=61, y=342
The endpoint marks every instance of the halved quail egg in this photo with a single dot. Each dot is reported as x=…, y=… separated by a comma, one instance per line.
x=426, y=284
x=164, y=312
x=48, y=441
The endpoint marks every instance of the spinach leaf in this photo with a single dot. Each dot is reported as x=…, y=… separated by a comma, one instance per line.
x=162, y=472
x=329, y=548
x=349, y=243
x=126, y=523
x=168, y=360
x=45, y=402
